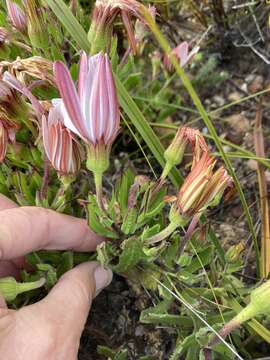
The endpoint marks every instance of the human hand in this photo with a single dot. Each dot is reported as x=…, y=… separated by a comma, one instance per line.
x=50, y=329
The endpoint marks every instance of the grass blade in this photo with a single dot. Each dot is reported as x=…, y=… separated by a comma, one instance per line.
x=63, y=13
x=265, y=234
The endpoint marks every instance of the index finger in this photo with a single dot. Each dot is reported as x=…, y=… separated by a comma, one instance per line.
x=27, y=229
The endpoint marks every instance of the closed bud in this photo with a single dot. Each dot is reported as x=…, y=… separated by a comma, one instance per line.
x=10, y=288
x=259, y=305
x=61, y=147
x=17, y=16
x=175, y=152
x=104, y=14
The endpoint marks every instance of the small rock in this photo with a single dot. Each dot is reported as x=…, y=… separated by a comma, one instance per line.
x=238, y=122
x=234, y=96
x=256, y=85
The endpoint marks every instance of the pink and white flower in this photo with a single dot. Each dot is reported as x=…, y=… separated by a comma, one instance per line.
x=61, y=147
x=91, y=111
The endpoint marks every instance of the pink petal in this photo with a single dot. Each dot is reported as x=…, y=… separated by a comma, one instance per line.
x=82, y=73
x=86, y=102
x=70, y=97
x=181, y=51
x=114, y=114
x=45, y=135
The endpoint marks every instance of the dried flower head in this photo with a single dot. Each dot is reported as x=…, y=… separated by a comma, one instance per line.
x=202, y=188
x=104, y=14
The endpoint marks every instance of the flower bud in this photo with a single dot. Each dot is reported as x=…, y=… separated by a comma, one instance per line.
x=61, y=147
x=10, y=288
x=104, y=14
x=175, y=152
x=17, y=16
x=259, y=305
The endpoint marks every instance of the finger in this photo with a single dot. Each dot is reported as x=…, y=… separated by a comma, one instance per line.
x=3, y=304
x=6, y=203
x=67, y=306
x=27, y=229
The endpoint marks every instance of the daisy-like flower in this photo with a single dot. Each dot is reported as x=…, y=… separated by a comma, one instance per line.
x=182, y=54
x=91, y=111
x=103, y=16
x=61, y=147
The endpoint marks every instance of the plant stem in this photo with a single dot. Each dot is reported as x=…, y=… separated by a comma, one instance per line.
x=98, y=184
x=162, y=234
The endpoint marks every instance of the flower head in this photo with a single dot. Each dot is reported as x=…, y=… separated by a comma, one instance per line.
x=175, y=151
x=202, y=188
x=7, y=133
x=17, y=16
x=104, y=14
x=182, y=54
x=61, y=148
x=91, y=111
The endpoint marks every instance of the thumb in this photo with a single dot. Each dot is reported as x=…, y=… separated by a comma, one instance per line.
x=69, y=302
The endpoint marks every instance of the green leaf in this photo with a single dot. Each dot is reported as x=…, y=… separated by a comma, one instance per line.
x=62, y=11
x=122, y=189
x=131, y=254
x=66, y=263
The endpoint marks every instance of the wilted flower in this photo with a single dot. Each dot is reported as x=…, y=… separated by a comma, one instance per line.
x=175, y=151
x=202, y=187
x=34, y=66
x=182, y=54
x=7, y=133
x=61, y=148
x=17, y=16
x=104, y=14
x=11, y=102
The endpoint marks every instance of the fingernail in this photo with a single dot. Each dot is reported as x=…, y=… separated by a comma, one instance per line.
x=103, y=278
